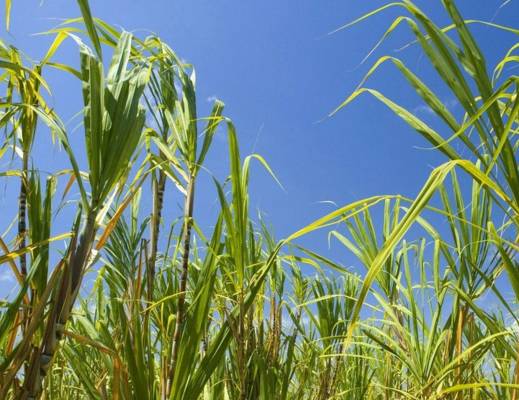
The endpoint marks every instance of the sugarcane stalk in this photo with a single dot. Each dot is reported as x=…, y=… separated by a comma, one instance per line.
x=22, y=230
x=186, y=240
x=159, y=187
x=22, y=212
x=42, y=356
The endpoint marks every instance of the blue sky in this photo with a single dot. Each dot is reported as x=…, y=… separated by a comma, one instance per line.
x=280, y=73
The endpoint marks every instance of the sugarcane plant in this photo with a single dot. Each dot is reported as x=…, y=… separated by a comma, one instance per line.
x=178, y=308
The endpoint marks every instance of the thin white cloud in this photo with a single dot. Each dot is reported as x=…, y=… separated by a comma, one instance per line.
x=423, y=110
x=450, y=104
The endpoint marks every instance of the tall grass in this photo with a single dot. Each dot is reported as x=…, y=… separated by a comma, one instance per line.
x=183, y=311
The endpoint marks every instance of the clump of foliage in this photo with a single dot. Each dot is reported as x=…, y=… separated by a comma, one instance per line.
x=178, y=311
